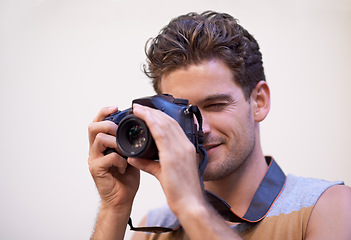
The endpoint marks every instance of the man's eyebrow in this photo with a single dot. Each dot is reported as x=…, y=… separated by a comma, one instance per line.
x=216, y=97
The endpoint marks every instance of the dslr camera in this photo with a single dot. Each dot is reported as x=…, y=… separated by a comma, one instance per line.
x=133, y=136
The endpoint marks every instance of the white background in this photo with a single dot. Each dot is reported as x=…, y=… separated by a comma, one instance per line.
x=62, y=60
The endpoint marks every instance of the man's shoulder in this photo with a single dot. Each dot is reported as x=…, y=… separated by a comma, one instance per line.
x=161, y=217
x=295, y=184
x=300, y=192
x=332, y=214
x=338, y=194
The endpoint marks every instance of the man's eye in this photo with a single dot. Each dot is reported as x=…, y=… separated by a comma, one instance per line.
x=216, y=106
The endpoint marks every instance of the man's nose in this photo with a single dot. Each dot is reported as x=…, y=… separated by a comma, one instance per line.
x=205, y=125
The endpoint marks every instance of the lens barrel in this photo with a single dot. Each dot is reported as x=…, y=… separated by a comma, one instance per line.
x=134, y=138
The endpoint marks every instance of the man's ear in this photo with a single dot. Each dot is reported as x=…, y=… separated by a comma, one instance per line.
x=261, y=100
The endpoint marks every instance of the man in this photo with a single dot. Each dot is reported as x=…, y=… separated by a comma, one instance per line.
x=216, y=64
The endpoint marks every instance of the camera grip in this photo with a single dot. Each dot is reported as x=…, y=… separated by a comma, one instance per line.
x=111, y=150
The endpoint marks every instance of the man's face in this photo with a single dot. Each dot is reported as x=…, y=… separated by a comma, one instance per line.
x=228, y=125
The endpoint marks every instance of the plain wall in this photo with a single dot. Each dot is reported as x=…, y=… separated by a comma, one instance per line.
x=62, y=60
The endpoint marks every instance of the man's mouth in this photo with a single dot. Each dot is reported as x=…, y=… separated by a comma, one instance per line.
x=209, y=147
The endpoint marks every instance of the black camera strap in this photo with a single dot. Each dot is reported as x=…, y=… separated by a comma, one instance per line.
x=200, y=139
x=266, y=194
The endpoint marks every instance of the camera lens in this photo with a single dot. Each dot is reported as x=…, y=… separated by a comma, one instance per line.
x=134, y=138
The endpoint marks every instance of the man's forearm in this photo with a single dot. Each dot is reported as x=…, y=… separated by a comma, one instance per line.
x=203, y=222
x=111, y=224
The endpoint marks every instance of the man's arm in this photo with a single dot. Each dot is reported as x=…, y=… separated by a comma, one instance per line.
x=116, y=181
x=331, y=217
x=111, y=223
x=177, y=172
x=203, y=222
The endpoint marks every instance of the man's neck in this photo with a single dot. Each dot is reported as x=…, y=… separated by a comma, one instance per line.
x=239, y=188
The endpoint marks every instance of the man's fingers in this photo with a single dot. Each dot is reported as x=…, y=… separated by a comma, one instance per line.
x=103, y=164
x=165, y=130
x=101, y=143
x=104, y=112
x=147, y=165
x=95, y=128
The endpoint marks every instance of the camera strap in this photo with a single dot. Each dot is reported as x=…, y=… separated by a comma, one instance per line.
x=266, y=194
x=200, y=139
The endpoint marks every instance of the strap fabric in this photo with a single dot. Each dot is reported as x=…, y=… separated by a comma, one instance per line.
x=149, y=229
x=266, y=194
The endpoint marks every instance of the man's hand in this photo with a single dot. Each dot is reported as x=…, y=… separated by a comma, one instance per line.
x=177, y=168
x=116, y=181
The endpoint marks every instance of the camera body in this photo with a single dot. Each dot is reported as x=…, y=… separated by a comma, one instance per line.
x=133, y=136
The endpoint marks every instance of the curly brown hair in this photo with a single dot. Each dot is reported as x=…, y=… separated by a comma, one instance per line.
x=193, y=38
